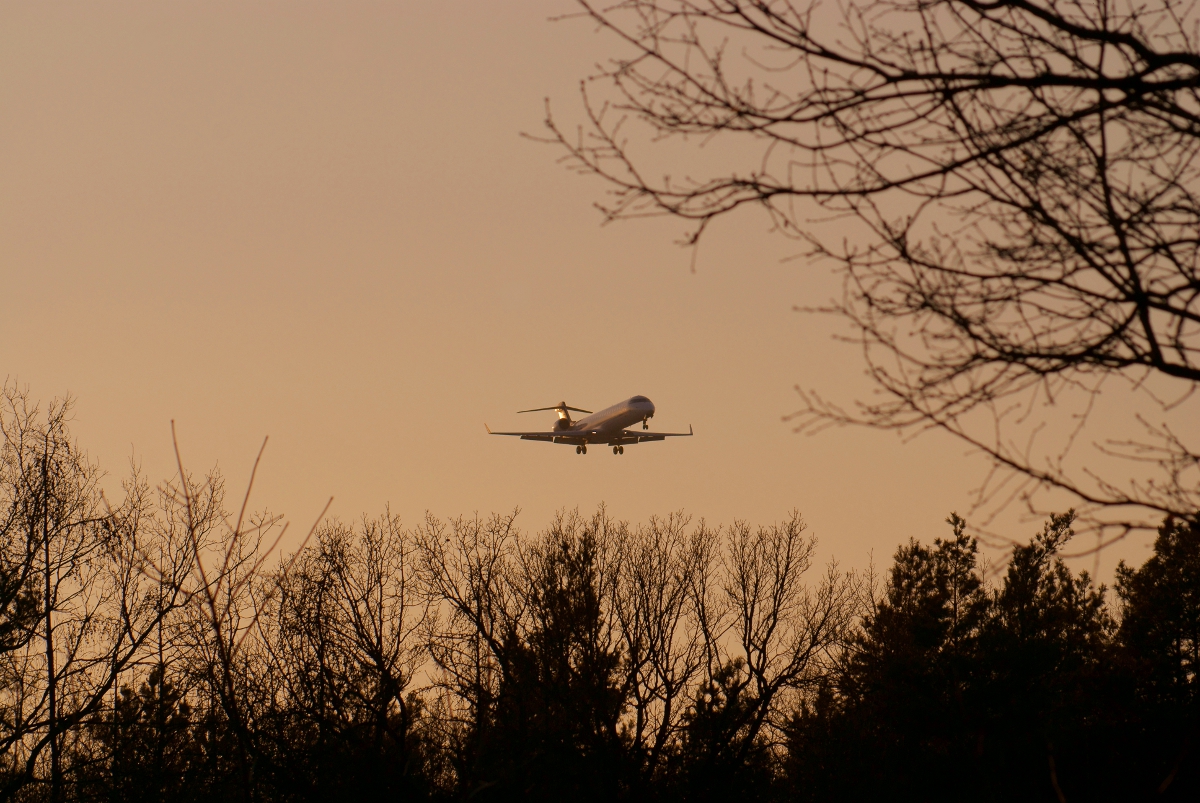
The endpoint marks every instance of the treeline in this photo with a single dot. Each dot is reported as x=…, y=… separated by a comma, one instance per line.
x=156, y=650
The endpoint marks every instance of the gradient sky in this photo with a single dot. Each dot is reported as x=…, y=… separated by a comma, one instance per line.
x=319, y=222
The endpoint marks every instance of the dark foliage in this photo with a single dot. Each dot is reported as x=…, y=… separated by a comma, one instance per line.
x=148, y=749
x=720, y=755
x=553, y=730
x=165, y=661
x=1160, y=644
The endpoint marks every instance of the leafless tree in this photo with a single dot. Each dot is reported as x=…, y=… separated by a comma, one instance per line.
x=383, y=612
x=1015, y=187
x=96, y=608
x=19, y=547
x=677, y=606
x=663, y=606
x=340, y=635
x=786, y=634
x=468, y=570
x=226, y=560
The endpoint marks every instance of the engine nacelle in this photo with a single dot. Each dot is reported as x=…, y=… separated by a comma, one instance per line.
x=561, y=424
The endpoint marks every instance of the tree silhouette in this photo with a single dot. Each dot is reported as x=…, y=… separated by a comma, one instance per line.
x=951, y=684
x=561, y=700
x=722, y=754
x=667, y=614
x=1160, y=633
x=339, y=633
x=79, y=568
x=913, y=673
x=547, y=725
x=1042, y=649
x=591, y=660
x=146, y=748
x=1015, y=183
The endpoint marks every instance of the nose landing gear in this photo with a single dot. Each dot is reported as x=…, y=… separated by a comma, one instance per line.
x=646, y=423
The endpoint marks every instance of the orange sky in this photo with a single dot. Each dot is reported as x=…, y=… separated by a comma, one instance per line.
x=318, y=222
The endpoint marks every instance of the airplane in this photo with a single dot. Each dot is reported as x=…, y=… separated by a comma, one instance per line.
x=606, y=426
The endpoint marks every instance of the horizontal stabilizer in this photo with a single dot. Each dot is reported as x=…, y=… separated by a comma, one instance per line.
x=559, y=406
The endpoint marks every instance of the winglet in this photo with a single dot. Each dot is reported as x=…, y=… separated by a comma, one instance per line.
x=690, y=430
x=489, y=429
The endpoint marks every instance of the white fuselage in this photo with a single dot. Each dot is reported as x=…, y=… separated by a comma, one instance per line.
x=615, y=418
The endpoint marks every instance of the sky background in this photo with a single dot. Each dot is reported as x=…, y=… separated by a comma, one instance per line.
x=318, y=222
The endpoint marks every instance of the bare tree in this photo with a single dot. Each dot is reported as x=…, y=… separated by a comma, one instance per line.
x=340, y=637
x=19, y=543
x=222, y=583
x=96, y=609
x=786, y=634
x=662, y=603
x=382, y=614
x=1015, y=183
x=468, y=570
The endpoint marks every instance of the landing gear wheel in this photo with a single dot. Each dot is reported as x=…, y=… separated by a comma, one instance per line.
x=583, y=449
x=616, y=450
x=578, y=450
x=622, y=448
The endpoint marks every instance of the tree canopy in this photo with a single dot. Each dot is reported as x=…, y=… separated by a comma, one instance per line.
x=153, y=652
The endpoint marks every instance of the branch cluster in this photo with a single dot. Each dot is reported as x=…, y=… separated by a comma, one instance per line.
x=1014, y=184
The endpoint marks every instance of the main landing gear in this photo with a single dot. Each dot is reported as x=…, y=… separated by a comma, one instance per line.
x=618, y=450
x=580, y=450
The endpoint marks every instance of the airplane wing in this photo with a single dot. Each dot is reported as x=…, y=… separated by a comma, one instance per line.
x=577, y=438
x=580, y=437
x=642, y=436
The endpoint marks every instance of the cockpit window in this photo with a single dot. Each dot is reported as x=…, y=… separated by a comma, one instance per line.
x=639, y=399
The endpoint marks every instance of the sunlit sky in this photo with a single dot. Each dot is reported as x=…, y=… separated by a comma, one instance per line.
x=318, y=222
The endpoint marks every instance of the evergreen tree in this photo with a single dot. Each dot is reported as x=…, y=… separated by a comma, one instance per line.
x=721, y=757
x=1042, y=649
x=553, y=732
x=903, y=720
x=148, y=747
x=1160, y=641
